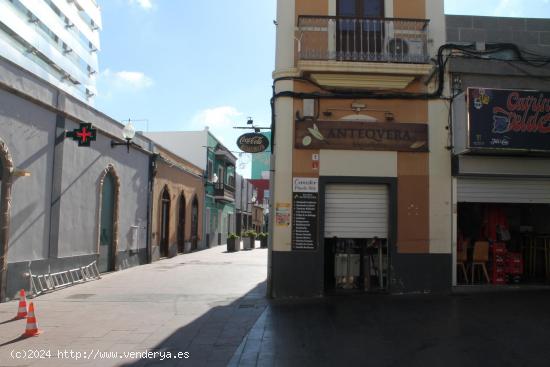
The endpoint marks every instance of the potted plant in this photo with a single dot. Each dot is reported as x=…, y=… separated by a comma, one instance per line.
x=248, y=239
x=263, y=239
x=233, y=242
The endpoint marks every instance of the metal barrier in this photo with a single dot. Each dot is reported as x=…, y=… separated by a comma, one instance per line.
x=52, y=281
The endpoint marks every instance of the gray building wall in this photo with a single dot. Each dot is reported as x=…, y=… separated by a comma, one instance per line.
x=55, y=211
x=531, y=35
x=29, y=134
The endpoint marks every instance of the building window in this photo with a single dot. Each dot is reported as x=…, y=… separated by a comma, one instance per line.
x=221, y=176
x=210, y=169
x=361, y=8
x=165, y=222
x=231, y=181
x=109, y=193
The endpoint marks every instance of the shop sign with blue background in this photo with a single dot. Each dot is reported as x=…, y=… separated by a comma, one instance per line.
x=509, y=119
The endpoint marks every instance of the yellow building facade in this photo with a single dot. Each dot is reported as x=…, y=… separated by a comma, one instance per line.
x=362, y=195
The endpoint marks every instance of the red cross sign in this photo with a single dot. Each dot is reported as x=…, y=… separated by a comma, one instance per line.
x=84, y=135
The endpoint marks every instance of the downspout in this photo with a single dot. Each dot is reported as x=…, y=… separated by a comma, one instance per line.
x=152, y=172
x=270, y=229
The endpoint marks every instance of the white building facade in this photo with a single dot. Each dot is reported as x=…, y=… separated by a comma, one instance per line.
x=57, y=40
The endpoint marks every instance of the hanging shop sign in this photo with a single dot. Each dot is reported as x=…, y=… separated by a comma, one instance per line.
x=253, y=142
x=361, y=135
x=84, y=135
x=508, y=120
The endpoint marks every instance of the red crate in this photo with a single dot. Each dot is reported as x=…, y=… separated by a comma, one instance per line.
x=498, y=248
x=514, y=263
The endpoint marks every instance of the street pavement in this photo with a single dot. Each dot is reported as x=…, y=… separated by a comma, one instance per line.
x=199, y=305
x=468, y=329
x=210, y=307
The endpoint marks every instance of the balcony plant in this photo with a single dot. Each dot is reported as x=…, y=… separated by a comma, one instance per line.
x=248, y=239
x=233, y=242
x=263, y=239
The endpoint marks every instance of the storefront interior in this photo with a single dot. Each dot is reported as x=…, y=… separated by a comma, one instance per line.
x=356, y=265
x=502, y=244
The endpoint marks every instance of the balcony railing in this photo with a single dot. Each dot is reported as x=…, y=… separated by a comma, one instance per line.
x=363, y=39
x=224, y=192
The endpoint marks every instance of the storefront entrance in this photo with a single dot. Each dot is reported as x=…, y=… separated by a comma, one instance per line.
x=356, y=237
x=503, y=231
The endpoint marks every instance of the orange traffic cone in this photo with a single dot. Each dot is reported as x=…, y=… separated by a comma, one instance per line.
x=22, y=310
x=32, y=326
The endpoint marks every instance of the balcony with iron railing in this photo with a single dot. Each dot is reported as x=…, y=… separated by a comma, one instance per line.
x=390, y=40
x=224, y=192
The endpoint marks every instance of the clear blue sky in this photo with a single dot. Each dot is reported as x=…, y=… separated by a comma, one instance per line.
x=184, y=64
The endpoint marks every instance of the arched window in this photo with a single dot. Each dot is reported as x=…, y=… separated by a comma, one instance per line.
x=181, y=223
x=109, y=187
x=164, y=222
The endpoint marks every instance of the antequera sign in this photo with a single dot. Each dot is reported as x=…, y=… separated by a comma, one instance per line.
x=358, y=135
x=509, y=120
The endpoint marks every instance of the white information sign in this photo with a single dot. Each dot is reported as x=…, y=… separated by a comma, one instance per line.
x=305, y=184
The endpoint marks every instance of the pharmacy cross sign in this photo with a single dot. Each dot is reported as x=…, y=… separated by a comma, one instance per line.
x=84, y=135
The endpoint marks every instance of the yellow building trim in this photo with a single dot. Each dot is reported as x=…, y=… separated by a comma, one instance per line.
x=354, y=81
x=332, y=66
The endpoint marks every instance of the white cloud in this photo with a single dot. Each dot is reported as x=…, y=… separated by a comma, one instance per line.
x=220, y=121
x=217, y=117
x=126, y=80
x=145, y=4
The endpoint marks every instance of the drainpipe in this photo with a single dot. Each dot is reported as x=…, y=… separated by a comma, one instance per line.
x=152, y=172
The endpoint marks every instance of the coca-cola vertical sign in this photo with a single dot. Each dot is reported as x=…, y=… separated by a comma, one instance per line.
x=253, y=142
x=509, y=120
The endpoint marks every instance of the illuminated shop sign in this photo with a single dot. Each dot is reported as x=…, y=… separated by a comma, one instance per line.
x=508, y=120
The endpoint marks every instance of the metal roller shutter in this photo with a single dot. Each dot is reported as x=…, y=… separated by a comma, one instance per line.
x=356, y=211
x=503, y=190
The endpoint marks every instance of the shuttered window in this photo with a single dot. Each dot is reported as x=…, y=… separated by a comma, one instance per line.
x=356, y=211
x=502, y=190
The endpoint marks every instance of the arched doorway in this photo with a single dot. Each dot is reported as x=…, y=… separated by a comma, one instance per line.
x=107, y=222
x=164, y=222
x=6, y=168
x=181, y=223
x=194, y=223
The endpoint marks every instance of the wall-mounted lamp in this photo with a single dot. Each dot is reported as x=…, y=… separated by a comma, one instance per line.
x=215, y=178
x=128, y=134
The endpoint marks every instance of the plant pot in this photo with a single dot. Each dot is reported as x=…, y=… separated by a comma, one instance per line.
x=263, y=242
x=252, y=242
x=232, y=244
x=248, y=243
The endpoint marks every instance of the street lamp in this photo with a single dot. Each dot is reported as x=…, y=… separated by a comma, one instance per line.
x=128, y=133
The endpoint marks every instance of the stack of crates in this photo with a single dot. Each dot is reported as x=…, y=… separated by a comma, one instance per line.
x=514, y=267
x=498, y=263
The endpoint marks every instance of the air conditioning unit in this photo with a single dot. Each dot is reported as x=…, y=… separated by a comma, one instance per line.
x=405, y=50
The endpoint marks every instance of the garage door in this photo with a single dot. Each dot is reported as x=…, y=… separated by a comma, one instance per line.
x=356, y=211
x=502, y=190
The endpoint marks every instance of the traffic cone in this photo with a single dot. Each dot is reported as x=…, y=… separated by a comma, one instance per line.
x=32, y=326
x=22, y=310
